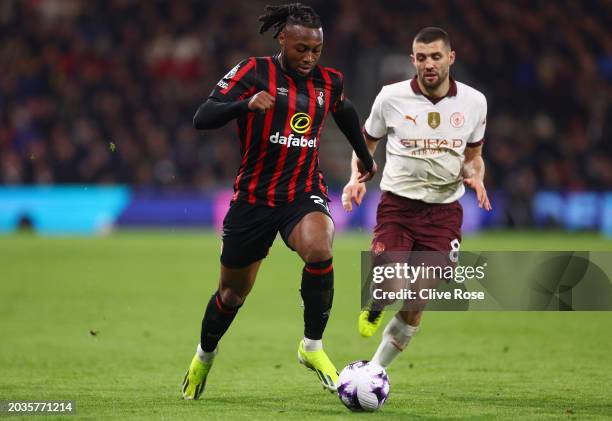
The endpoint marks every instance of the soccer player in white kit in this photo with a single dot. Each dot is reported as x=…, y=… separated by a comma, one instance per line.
x=435, y=131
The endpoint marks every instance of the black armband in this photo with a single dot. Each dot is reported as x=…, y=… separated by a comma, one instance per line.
x=347, y=120
x=213, y=114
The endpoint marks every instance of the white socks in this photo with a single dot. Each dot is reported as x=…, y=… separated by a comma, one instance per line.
x=204, y=356
x=395, y=339
x=312, y=344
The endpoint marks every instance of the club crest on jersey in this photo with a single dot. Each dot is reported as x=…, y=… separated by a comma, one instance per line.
x=300, y=123
x=433, y=118
x=457, y=120
x=320, y=97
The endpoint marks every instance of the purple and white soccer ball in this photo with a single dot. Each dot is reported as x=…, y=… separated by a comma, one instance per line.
x=363, y=386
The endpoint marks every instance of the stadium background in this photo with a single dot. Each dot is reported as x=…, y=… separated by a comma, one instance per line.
x=96, y=102
x=103, y=92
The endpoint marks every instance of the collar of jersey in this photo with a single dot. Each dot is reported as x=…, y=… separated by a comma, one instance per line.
x=452, y=90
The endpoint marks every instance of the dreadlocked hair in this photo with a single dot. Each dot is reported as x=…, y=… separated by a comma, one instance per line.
x=278, y=17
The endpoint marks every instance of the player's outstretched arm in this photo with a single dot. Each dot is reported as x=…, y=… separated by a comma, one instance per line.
x=354, y=191
x=347, y=120
x=473, y=175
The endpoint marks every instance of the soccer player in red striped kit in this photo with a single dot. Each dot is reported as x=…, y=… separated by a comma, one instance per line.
x=280, y=104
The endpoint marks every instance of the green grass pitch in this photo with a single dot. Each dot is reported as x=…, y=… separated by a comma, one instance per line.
x=143, y=294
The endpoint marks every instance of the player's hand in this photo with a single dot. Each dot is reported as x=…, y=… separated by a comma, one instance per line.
x=262, y=101
x=481, y=193
x=353, y=191
x=365, y=175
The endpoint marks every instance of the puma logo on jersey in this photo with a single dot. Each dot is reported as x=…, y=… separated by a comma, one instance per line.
x=413, y=119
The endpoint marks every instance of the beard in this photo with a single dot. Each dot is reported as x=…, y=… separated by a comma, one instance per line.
x=441, y=76
x=294, y=73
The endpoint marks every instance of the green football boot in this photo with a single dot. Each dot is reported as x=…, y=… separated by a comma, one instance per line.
x=366, y=327
x=195, y=378
x=319, y=362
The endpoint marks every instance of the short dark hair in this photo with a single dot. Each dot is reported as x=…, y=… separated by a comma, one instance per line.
x=431, y=34
x=294, y=13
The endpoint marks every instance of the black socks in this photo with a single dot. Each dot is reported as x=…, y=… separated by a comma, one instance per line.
x=318, y=294
x=217, y=320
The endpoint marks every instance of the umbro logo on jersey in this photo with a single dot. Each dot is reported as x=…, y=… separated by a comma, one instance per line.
x=413, y=119
x=282, y=91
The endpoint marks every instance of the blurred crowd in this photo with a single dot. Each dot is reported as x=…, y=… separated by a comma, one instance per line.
x=105, y=91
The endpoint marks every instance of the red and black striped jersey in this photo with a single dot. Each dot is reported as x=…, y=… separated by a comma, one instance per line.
x=280, y=148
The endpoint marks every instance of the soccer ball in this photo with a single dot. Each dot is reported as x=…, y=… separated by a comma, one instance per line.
x=363, y=386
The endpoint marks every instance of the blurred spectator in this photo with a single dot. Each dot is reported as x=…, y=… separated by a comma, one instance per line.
x=104, y=91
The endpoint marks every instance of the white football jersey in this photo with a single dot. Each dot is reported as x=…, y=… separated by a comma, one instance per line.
x=426, y=140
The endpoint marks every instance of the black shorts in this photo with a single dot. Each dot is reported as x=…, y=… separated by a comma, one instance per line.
x=249, y=230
